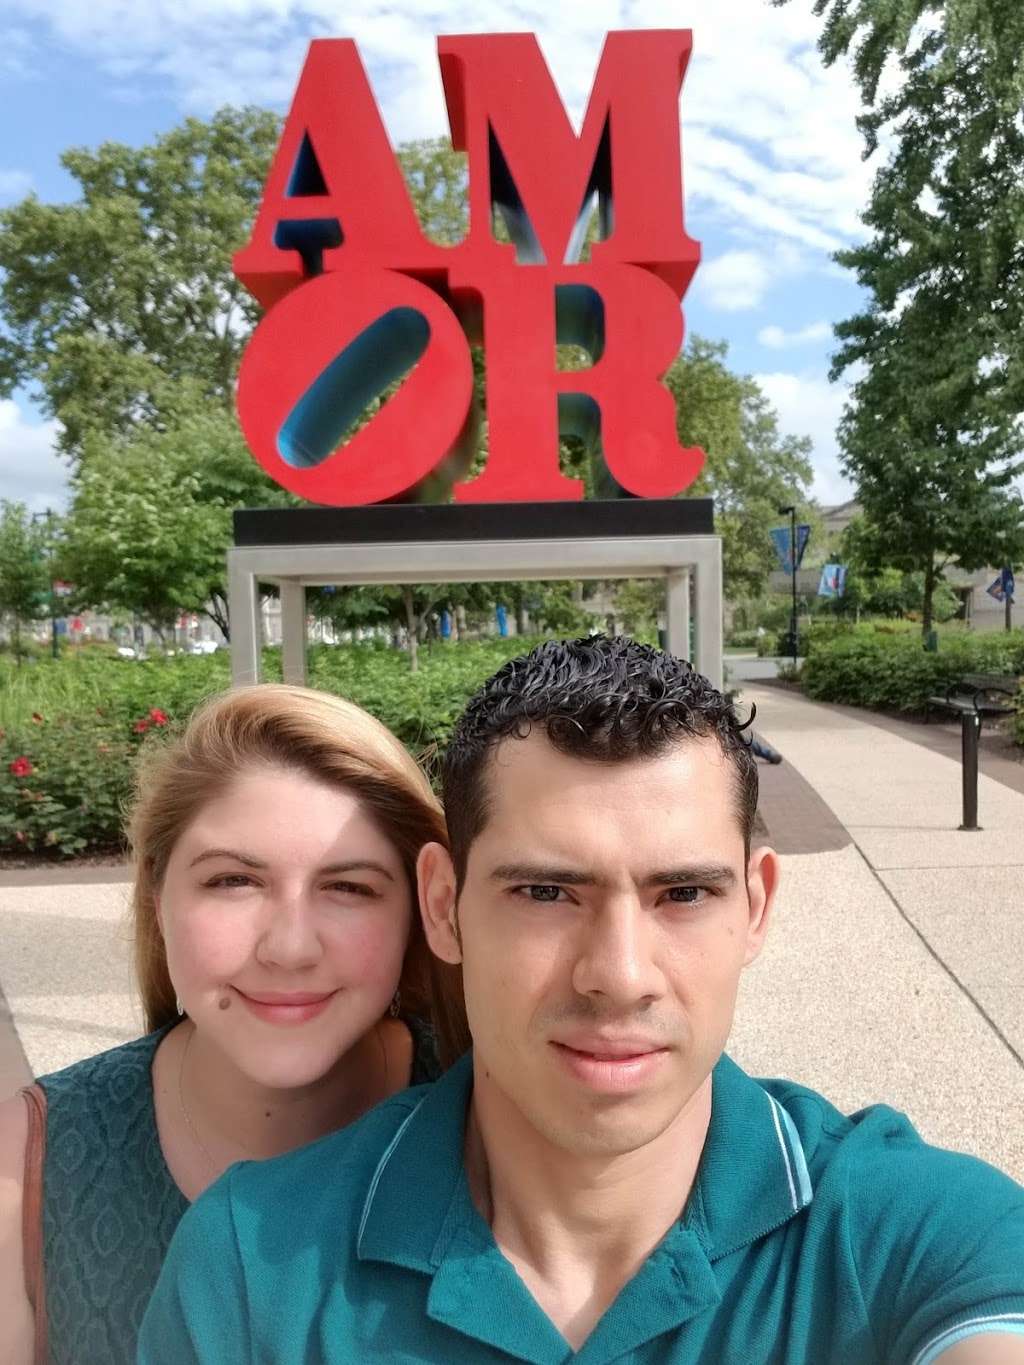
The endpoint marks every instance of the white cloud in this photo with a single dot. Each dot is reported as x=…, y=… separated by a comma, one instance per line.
x=808, y=405
x=769, y=135
x=735, y=281
x=777, y=339
x=30, y=470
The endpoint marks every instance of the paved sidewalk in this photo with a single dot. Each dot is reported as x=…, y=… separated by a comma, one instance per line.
x=895, y=969
x=896, y=966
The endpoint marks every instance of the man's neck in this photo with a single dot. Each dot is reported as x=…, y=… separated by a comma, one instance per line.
x=577, y=1227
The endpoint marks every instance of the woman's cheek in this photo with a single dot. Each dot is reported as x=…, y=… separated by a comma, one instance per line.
x=367, y=950
x=209, y=946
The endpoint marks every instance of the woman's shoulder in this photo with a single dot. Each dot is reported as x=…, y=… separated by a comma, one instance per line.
x=119, y=1069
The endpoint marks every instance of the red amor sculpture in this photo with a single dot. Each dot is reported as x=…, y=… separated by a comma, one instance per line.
x=358, y=297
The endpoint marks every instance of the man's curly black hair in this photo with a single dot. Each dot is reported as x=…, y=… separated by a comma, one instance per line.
x=596, y=698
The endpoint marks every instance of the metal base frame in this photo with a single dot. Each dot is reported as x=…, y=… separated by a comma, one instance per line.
x=295, y=567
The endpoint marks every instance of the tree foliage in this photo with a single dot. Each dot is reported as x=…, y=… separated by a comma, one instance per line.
x=24, y=575
x=752, y=468
x=150, y=520
x=110, y=301
x=933, y=434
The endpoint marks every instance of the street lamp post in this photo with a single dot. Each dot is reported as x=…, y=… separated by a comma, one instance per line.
x=791, y=513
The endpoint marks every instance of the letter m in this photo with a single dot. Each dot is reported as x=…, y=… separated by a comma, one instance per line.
x=526, y=161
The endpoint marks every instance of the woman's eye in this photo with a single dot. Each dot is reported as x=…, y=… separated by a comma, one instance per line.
x=351, y=889
x=230, y=879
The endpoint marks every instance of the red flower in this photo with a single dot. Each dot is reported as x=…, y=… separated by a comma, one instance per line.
x=140, y=727
x=158, y=717
x=21, y=767
x=37, y=717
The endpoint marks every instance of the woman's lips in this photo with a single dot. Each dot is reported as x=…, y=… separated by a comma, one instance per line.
x=275, y=1007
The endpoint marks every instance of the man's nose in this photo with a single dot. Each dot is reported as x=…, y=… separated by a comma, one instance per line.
x=616, y=962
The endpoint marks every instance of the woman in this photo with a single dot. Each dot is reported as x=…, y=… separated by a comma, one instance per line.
x=284, y=979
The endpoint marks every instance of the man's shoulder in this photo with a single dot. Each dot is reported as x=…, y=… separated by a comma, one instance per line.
x=877, y=1164
x=326, y=1179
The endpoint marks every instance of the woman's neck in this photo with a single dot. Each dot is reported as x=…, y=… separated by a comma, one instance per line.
x=211, y=1114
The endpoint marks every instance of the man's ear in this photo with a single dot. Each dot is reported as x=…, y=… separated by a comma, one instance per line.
x=762, y=883
x=435, y=880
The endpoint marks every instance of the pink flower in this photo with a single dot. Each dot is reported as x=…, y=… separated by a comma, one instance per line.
x=158, y=717
x=140, y=727
x=21, y=767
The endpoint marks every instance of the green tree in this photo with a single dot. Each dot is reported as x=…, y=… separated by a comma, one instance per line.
x=752, y=468
x=150, y=520
x=932, y=434
x=111, y=300
x=24, y=575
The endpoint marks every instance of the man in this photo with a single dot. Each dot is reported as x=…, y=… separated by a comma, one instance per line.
x=596, y=1181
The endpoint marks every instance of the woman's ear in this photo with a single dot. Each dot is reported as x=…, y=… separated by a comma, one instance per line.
x=435, y=880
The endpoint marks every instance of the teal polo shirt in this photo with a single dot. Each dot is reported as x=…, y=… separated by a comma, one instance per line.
x=809, y=1238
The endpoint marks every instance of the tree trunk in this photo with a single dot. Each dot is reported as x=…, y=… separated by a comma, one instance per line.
x=929, y=593
x=217, y=610
x=412, y=625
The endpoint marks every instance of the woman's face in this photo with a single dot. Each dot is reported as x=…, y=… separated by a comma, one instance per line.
x=286, y=913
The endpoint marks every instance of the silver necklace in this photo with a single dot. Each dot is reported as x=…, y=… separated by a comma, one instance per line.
x=193, y=1132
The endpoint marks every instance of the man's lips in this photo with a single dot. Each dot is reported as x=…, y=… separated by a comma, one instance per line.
x=611, y=1066
x=610, y=1049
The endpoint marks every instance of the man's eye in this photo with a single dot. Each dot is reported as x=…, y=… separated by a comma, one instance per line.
x=686, y=895
x=543, y=893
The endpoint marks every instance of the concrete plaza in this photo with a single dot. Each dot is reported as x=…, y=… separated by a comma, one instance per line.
x=894, y=971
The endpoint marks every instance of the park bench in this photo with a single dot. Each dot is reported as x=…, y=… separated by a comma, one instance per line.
x=975, y=697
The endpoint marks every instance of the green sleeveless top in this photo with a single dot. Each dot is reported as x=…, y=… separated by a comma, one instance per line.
x=110, y=1206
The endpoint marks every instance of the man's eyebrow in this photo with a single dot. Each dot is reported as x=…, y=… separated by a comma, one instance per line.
x=538, y=874
x=707, y=874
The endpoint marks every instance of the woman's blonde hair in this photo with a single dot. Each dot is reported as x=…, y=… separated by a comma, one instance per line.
x=330, y=740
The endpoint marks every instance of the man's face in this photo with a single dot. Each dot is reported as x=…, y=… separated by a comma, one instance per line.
x=606, y=915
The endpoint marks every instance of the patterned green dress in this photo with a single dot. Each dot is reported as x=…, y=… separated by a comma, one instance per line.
x=110, y=1206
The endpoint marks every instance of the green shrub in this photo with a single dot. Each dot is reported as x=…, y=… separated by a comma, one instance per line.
x=744, y=639
x=894, y=672
x=72, y=731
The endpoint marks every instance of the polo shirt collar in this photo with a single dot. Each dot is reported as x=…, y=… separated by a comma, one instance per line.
x=753, y=1174
x=410, y=1196
x=418, y=1213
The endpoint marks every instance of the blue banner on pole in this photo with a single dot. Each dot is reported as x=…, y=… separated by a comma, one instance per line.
x=782, y=539
x=501, y=616
x=1004, y=586
x=833, y=581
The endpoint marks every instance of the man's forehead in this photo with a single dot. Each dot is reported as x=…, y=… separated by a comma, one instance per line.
x=528, y=772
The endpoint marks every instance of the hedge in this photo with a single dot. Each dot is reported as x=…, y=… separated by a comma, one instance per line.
x=893, y=672
x=72, y=731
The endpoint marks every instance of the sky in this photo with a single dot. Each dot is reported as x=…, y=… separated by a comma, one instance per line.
x=773, y=174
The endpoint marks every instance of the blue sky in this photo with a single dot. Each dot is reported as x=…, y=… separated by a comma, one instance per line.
x=772, y=167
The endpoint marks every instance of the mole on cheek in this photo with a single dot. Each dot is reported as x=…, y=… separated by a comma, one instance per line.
x=224, y=1002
